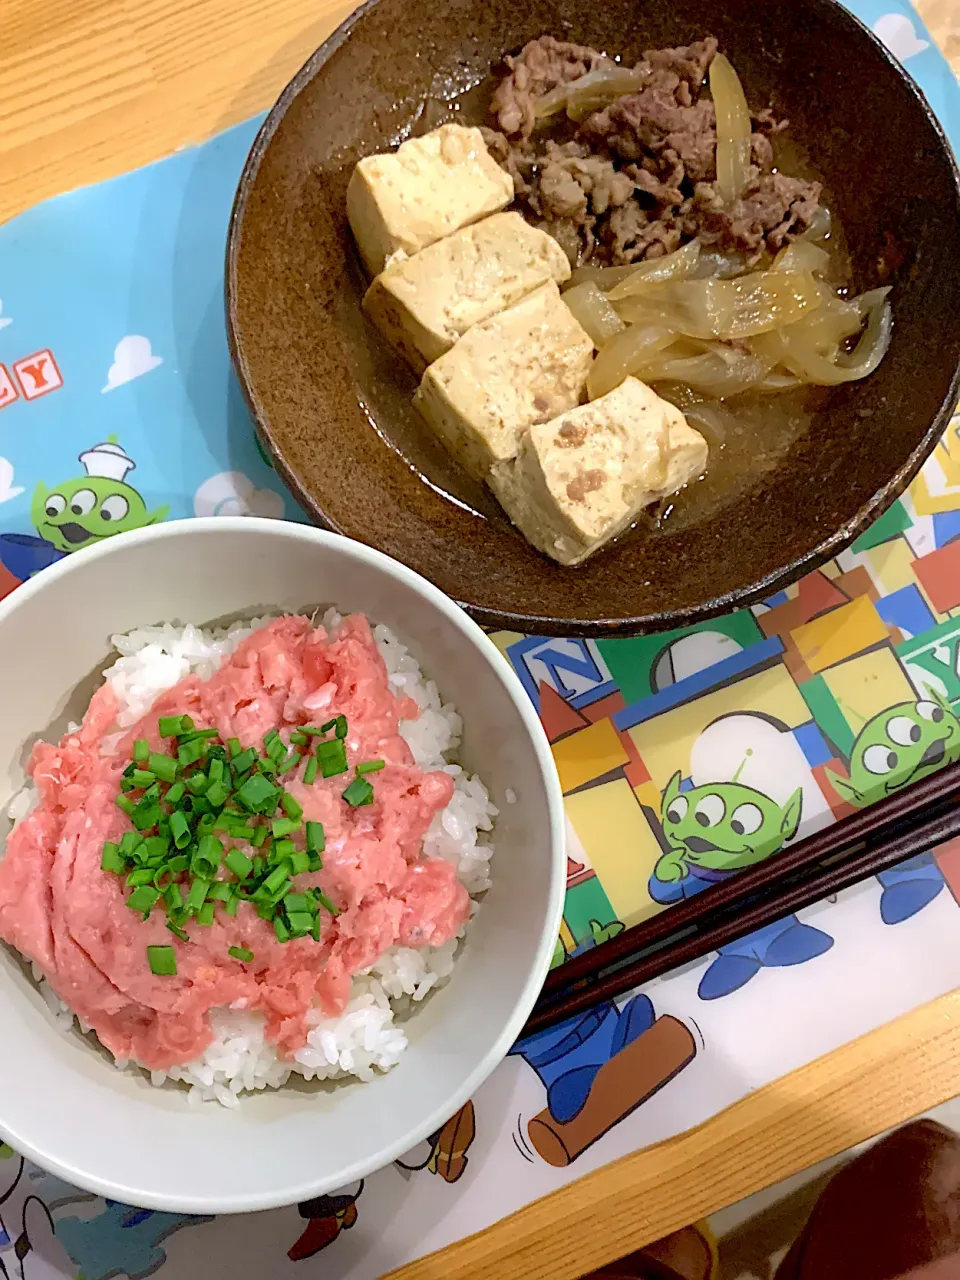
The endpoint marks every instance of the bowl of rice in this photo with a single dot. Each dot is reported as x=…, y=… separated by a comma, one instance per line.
x=282, y=864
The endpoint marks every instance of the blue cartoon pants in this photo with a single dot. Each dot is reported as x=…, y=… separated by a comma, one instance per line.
x=908, y=888
x=567, y=1057
x=785, y=942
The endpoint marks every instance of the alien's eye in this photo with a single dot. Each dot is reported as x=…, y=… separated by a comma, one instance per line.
x=903, y=731
x=746, y=819
x=710, y=811
x=83, y=502
x=879, y=759
x=930, y=711
x=678, y=807
x=55, y=504
x=114, y=508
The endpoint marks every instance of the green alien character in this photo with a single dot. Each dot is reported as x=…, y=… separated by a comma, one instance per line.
x=713, y=831
x=900, y=745
x=79, y=513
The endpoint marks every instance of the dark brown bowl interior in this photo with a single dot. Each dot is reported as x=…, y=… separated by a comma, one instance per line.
x=332, y=404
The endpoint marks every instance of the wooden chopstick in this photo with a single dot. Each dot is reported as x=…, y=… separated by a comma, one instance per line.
x=901, y=826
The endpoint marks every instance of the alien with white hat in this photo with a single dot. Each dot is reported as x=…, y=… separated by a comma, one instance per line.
x=83, y=511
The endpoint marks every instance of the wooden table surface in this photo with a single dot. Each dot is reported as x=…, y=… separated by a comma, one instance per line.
x=92, y=88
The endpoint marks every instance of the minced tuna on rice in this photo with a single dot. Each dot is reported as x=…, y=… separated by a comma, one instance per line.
x=400, y=871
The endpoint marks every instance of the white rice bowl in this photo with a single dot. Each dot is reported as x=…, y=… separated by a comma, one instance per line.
x=365, y=1038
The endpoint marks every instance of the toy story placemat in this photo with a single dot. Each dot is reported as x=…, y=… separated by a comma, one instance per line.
x=682, y=756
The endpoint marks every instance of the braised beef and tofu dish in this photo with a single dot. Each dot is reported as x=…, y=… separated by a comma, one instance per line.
x=609, y=284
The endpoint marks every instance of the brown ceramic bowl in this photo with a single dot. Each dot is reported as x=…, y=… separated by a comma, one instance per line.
x=332, y=405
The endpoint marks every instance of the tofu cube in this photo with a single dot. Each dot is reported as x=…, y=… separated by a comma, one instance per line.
x=423, y=304
x=584, y=476
x=423, y=191
x=526, y=364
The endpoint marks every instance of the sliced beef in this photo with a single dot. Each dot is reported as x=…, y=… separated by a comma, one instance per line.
x=761, y=150
x=572, y=180
x=637, y=179
x=631, y=233
x=655, y=120
x=773, y=210
x=690, y=63
x=664, y=191
x=540, y=66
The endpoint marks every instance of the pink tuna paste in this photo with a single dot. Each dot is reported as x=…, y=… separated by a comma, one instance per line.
x=64, y=913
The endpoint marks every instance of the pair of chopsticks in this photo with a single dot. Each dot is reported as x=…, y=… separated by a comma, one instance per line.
x=899, y=827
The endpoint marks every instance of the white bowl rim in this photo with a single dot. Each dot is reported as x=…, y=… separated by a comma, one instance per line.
x=250, y=525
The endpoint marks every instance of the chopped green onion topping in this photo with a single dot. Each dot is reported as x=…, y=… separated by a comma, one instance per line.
x=256, y=793
x=196, y=735
x=143, y=898
x=332, y=755
x=197, y=895
x=359, y=792
x=145, y=815
x=197, y=784
x=164, y=767
x=190, y=752
x=275, y=879
x=172, y=858
x=241, y=953
x=239, y=864
x=290, y=807
x=179, y=829
x=245, y=760
x=299, y=922
x=112, y=859
x=300, y=862
x=216, y=794
x=162, y=961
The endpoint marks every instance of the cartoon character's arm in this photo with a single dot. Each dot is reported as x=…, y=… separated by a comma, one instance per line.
x=155, y=517
x=666, y=883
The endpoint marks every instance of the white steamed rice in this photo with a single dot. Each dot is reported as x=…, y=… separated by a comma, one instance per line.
x=365, y=1038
